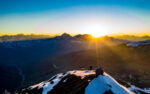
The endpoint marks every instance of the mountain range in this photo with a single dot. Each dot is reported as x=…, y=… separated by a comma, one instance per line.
x=27, y=62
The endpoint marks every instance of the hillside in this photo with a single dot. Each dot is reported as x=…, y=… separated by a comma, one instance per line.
x=80, y=82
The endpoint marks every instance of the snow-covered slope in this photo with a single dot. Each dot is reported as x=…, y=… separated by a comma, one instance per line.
x=81, y=82
x=47, y=86
x=106, y=84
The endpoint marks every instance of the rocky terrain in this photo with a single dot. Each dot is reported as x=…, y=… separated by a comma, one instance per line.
x=81, y=82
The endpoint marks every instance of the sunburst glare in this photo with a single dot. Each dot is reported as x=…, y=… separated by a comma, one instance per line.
x=96, y=29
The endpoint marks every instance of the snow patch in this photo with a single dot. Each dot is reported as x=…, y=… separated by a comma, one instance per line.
x=34, y=86
x=82, y=73
x=48, y=85
x=65, y=80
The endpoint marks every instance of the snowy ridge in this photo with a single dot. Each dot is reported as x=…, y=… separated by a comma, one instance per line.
x=48, y=85
x=81, y=82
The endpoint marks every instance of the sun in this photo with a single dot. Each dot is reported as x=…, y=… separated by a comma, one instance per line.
x=96, y=30
x=98, y=34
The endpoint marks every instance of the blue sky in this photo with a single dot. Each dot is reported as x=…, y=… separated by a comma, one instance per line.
x=74, y=16
x=30, y=6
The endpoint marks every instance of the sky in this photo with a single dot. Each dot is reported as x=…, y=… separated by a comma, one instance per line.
x=97, y=17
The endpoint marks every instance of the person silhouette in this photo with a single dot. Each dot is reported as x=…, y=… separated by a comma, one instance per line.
x=99, y=71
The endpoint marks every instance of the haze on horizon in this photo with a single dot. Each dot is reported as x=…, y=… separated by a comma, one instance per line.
x=96, y=17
